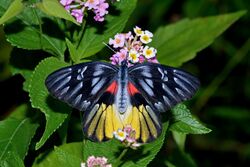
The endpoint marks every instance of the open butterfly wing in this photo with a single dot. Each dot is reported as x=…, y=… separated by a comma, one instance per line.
x=81, y=85
x=162, y=86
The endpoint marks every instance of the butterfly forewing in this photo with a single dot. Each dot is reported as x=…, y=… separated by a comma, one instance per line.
x=81, y=85
x=163, y=86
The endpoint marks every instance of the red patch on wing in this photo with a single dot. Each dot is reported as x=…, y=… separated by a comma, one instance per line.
x=132, y=90
x=112, y=88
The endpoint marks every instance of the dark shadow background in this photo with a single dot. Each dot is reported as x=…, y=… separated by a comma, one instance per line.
x=226, y=110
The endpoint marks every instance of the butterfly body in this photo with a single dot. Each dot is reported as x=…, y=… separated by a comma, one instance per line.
x=112, y=97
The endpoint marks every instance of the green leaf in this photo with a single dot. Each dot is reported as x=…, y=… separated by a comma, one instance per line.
x=12, y=159
x=113, y=148
x=92, y=41
x=15, y=136
x=24, y=31
x=54, y=8
x=72, y=51
x=55, y=111
x=180, y=139
x=20, y=112
x=184, y=122
x=179, y=42
x=66, y=155
x=14, y=9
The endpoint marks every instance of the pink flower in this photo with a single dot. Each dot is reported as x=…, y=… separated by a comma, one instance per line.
x=118, y=57
x=66, y=2
x=91, y=4
x=153, y=60
x=78, y=14
x=141, y=59
x=102, y=8
x=97, y=161
x=119, y=41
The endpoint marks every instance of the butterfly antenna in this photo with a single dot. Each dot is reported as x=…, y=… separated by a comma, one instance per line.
x=109, y=47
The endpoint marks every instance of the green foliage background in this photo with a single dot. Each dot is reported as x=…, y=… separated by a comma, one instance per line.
x=222, y=101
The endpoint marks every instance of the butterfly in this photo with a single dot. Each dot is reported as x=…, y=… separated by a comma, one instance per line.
x=111, y=97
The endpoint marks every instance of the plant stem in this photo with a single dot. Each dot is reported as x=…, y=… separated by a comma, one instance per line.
x=81, y=34
x=118, y=161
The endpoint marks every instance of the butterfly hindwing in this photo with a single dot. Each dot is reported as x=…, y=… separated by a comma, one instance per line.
x=81, y=85
x=162, y=86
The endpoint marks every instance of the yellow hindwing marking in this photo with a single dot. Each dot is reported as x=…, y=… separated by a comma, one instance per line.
x=116, y=119
x=94, y=121
x=144, y=129
x=135, y=123
x=150, y=123
x=109, y=129
x=100, y=127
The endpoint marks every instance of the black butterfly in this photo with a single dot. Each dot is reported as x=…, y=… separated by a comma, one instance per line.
x=112, y=97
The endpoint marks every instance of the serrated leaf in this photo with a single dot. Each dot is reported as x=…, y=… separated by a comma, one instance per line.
x=68, y=155
x=179, y=42
x=113, y=148
x=24, y=31
x=184, y=122
x=55, y=111
x=92, y=41
x=54, y=8
x=15, y=136
x=14, y=9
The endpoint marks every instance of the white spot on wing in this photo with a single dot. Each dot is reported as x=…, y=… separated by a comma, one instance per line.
x=167, y=101
x=62, y=92
x=180, y=83
x=92, y=113
x=77, y=99
x=94, y=81
x=152, y=115
x=149, y=82
x=161, y=71
x=80, y=76
x=63, y=82
x=180, y=92
x=146, y=88
x=169, y=92
x=85, y=105
x=74, y=90
x=98, y=86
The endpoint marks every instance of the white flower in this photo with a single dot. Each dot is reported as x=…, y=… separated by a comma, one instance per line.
x=146, y=37
x=133, y=56
x=138, y=31
x=83, y=164
x=120, y=135
x=149, y=52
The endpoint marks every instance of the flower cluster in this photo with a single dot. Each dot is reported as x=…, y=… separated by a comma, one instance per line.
x=133, y=48
x=93, y=161
x=77, y=8
x=127, y=137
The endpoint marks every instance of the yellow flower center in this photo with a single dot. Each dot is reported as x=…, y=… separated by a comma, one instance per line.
x=138, y=31
x=133, y=56
x=149, y=52
x=120, y=134
x=145, y=38
x=117, y=41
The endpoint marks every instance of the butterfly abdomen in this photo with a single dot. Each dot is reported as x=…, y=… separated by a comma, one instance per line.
x=122, y=96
